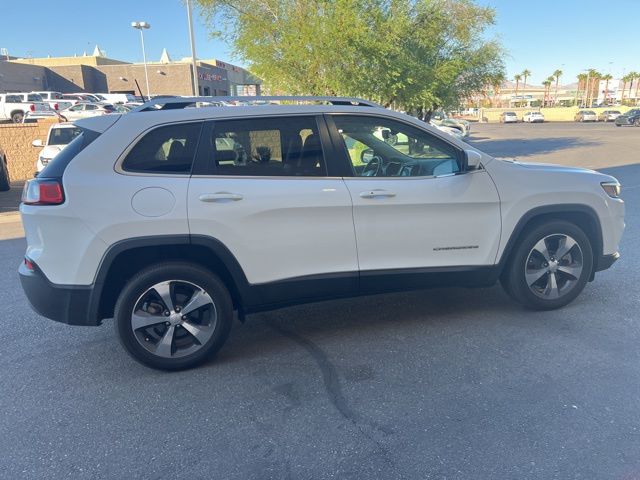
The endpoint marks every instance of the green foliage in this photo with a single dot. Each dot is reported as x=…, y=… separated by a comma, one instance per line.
x=416, y=53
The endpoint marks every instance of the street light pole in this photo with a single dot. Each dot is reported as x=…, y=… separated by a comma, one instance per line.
x=194, y=67
x=141, y=26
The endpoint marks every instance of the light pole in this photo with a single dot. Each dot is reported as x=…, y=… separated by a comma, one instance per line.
x=141, y=26
x=196, y=88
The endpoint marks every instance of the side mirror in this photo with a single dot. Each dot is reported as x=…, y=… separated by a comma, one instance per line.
x=37, y=143
x=366, y=155
x=473, y=159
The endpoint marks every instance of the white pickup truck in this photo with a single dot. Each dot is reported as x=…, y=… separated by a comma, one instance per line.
x=14, y=106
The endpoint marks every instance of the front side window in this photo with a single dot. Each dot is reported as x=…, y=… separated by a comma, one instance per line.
x=280, y=146
x=34, y=97
x=168, y=149
x=380, y=147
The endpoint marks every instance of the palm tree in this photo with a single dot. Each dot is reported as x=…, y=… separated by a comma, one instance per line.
x=557, y=74
x=547, y=89
x=526, y=74
x=626, y=79
x=497, y=82
x=606, y=78
x=517, y=78
x=593, y=76
x=636, y=75
x=582, y=77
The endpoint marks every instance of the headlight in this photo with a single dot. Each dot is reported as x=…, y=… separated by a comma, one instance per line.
x=612, y=189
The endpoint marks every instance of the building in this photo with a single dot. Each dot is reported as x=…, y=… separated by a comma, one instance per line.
x=97, y=73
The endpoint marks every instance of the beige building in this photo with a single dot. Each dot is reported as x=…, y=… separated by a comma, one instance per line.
x=99, y=74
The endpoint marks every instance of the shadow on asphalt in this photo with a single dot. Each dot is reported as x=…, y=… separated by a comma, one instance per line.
x=523, y=147
x=10, y=200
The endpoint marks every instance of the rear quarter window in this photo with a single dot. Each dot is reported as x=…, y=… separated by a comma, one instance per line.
x=56, y=168
x=169, y=149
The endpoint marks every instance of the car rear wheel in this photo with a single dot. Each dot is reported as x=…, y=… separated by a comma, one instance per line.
x=16, y=117
x=173, y=316
x=636, y=122
x=550, y=266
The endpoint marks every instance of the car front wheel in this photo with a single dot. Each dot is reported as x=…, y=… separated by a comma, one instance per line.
x=550, y=266
x=173, y=316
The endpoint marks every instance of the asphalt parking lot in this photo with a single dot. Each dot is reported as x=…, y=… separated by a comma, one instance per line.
x=442, y=384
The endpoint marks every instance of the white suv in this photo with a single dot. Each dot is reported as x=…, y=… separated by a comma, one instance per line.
x=169, y=219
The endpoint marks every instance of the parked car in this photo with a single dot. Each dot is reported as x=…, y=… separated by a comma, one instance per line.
x=53, y=99
x=5, y=183
x=533, y=117
x=80, y=97
x=118, y=97
x=174, y=218
x=454, y=132
x=58, y=137
x=609, y=115
x=84, y=110
x=508, y=117
x=442, y=119
x=34, y=117
x=632, y=117
x=13, y=106
x=585, y=116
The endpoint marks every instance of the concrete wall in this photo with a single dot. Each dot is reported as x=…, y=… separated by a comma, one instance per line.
x=15, y=140
x=163, y=78
x=76, y=78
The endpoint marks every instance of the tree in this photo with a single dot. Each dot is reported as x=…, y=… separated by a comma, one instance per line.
x=626, y=79
x=496, y=83
x=547, y=88
x=582, y=78
x=592, y=77
x=606, y=78
x=526, y=74
x=419, y=54
x=636, y=76
x=517, y=78
x=557, y=74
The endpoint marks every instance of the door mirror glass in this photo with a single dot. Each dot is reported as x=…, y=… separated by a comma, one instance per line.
x=473, y=159
x=366, y=156
x=37, y=143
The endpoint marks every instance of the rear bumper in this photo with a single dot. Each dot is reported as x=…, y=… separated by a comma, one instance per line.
x=605, y=261
x=70, y=304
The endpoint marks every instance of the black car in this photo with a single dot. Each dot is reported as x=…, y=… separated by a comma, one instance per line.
x=4, y=173
x=632, y=117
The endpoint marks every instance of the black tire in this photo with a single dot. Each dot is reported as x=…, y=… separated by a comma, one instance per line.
x=16, y=117
x=636, y=122
x=184, y=273
x=5, y=183
x=514, y=280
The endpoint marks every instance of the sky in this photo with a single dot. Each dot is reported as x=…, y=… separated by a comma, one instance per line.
x=539, y=35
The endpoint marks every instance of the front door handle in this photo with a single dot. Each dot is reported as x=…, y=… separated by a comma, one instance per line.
x=377, y=193
x=220, y=197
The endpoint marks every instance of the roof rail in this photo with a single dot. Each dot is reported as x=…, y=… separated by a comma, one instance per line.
x=175, y=103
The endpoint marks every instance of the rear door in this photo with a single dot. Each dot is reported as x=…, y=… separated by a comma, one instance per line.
x=261, y=188
x=413, y=207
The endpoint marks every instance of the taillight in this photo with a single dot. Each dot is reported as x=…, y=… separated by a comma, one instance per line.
x=32, y=107
x=29, y=264
x=43, y=191
x=55, y=106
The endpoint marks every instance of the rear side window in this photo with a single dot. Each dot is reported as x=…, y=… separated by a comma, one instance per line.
x=168, y=149
x=279, y=146
x=56, y=168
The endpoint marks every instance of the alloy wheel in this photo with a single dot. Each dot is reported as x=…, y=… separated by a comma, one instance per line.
x=174, y=318
x=554, y=266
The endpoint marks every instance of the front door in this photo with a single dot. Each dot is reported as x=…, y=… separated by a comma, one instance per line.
x=413, y=207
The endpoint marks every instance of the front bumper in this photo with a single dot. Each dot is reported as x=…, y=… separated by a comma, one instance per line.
x=70, y=304
x=605, y=261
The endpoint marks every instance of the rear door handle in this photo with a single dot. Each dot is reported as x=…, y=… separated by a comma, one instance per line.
x=219, y=197
x=377, y=193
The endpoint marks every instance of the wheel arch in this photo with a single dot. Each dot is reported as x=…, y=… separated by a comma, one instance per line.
x=127, y=257
x=581, y=215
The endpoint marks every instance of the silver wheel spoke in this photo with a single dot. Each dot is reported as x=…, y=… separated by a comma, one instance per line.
x=552, y=286
x=202, y=333
x=535, y=275
x=164, y=346
x=198, y=300
x=143, y=319
x=570, y=270
x=164, y=290
x=541, y=247
x=565, y=244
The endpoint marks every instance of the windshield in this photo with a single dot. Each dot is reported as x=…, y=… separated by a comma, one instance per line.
x=63, y=136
